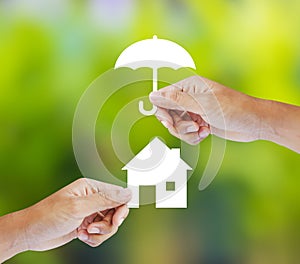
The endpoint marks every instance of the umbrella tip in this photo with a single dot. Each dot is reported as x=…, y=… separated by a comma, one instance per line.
x=154, y=37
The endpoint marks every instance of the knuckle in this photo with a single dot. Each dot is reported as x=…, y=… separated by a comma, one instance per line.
x=81, y=181
x=176, y=96
x=173, y=95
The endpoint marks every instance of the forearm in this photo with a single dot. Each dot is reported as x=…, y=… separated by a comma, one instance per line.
x=12, y=235
x=280, y=123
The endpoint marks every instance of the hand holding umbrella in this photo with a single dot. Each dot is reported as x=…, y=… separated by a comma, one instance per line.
x=154, y=53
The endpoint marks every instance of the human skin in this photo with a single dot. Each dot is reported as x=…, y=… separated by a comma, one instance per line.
x=86, y=209
x=196, y=107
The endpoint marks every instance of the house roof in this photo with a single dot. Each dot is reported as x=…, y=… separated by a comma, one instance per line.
x=155, y=154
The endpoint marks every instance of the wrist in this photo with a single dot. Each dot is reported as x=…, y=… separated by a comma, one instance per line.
x=13, y=235
x=282, y=121
x=266, y=123
x=279, y=123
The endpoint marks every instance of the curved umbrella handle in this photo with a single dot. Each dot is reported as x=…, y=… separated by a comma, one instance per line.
x=146, y=112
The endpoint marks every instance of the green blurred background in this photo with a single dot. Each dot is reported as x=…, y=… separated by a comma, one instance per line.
x=51, y=50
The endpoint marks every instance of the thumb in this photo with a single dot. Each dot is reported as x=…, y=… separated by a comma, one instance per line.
x=100, y=201
x=171, y=97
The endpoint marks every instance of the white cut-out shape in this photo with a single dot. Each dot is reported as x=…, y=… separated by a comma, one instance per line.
x=154, y=53
x=168, y=168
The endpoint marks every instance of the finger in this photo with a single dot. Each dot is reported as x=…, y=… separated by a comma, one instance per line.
x=196, y=137
x=183, y=126
x=120, y=215
x=93, y=203
x=163, y=115
x=104, y=212
x=88, y=220
x=85, y=187
x=185, y=116
x=95, y=240
x=174, y=131
x=110, y=191
x=175, y=116
x=173, y=98
x=198, y=119
x=106, y=196
x=199, y=136
x=203, y=133
x=104, y=226
x=190, y=138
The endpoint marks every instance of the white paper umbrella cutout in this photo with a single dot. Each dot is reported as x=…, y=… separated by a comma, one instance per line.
x=154, y=53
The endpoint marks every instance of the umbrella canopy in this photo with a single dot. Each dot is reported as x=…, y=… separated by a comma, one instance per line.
x=154, y=53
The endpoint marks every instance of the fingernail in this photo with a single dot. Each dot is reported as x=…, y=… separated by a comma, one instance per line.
x=191, y=129
x=121, y=221
x=83, y=236
x=203, y=134
x=94, y=230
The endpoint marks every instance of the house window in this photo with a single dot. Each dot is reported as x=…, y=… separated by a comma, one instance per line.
x=170, y=186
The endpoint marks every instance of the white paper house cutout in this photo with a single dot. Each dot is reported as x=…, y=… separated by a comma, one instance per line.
x=159, y=166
